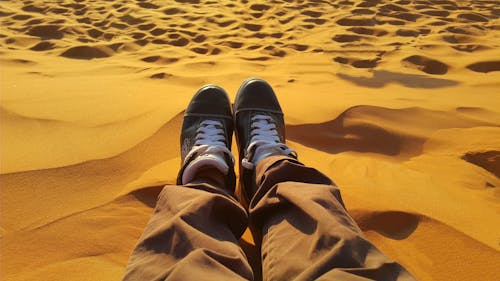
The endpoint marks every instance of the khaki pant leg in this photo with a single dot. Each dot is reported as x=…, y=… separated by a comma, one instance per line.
x=298, y=217
x=192, y=235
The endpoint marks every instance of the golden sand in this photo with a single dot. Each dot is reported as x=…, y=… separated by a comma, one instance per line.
x=397, y=101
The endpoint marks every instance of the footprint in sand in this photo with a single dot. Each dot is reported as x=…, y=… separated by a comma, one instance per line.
x=287, y=20
x=176, y=40
x=425, y=64
x=46, y=31
x=188, y=1
x=33, y=22
x=277, y=35
x=34, y=9
x=130, y=20
x=362, y=12
x=147, y=5
x=458, y=39
x=356, y=21
x=257, y=15
x=147, y=26
x=138, y=35
x=59, y=11
x=312, y=14
x=226, y=23
x=275, y=52
x=173, y=11
x=366, y=4
x=438, y=23
x=159, y=59
x=119, y=26
x=160, y=75
x=471, y=17
x=298, y=47
x=215, y=51
x=342, y=38
x=436, y=13
x=260, y=7
x=358, y=63
x=407, y=33
x=406, y=17
x=488, y=160
x=200, y=50
x=199, y=38
x=88, y=52
x=469, y=47
x=95, y=33
x=233, y=44
x=485, y=66
x=21, y=17
x=392, y=7
x=316, y=21
x=252, y=27
x=422, y=7
x=464, y=30
x=368, y=31
x=43, y=46
x=22, y=62
x=365, y=63
x=157, y=31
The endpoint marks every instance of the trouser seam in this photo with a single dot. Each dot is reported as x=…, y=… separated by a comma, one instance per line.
x=270, y=262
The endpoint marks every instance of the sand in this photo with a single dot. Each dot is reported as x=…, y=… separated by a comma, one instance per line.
x=397, y=101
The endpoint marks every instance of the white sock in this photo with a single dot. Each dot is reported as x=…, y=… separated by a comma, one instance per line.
x=216, y=161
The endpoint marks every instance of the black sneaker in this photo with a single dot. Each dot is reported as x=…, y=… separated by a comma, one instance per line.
x=260, y=131
x=206, y=136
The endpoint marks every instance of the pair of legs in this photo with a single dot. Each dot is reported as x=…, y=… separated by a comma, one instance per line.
x=295, y=213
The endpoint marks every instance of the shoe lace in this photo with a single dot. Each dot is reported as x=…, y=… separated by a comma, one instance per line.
x=210, y=139
x=264, y=141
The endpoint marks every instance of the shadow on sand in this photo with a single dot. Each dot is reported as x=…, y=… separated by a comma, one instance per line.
x=381, y=78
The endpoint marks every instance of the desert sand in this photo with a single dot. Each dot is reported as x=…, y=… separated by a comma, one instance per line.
x=397, y=101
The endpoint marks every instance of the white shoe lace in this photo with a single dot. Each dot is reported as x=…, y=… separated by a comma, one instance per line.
x=210, y=139
x=264, y=141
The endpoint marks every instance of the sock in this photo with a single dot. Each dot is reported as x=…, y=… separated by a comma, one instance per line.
x=216, y=161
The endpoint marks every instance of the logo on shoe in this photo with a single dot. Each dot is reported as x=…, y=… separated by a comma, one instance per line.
x=186, y=147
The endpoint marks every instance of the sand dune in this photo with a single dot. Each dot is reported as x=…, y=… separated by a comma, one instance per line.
x=397, y=101
x=379, y=130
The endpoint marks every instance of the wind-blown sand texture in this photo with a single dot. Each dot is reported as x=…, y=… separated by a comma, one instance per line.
x=397, y=101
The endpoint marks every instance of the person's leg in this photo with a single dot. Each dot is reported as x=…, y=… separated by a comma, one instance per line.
x=296, y=213
x=298, y=217
x=193, y=233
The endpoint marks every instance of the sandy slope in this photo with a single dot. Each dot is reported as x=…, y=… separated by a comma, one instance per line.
x=397, y=101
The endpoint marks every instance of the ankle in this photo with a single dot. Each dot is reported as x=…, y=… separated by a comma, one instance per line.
x=209, y=175
x=212, y=160
x=263, y=152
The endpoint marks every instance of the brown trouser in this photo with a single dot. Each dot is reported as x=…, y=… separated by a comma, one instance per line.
x=297, y=217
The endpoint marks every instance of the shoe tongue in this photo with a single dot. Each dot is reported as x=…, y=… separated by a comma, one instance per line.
x=213, y=160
